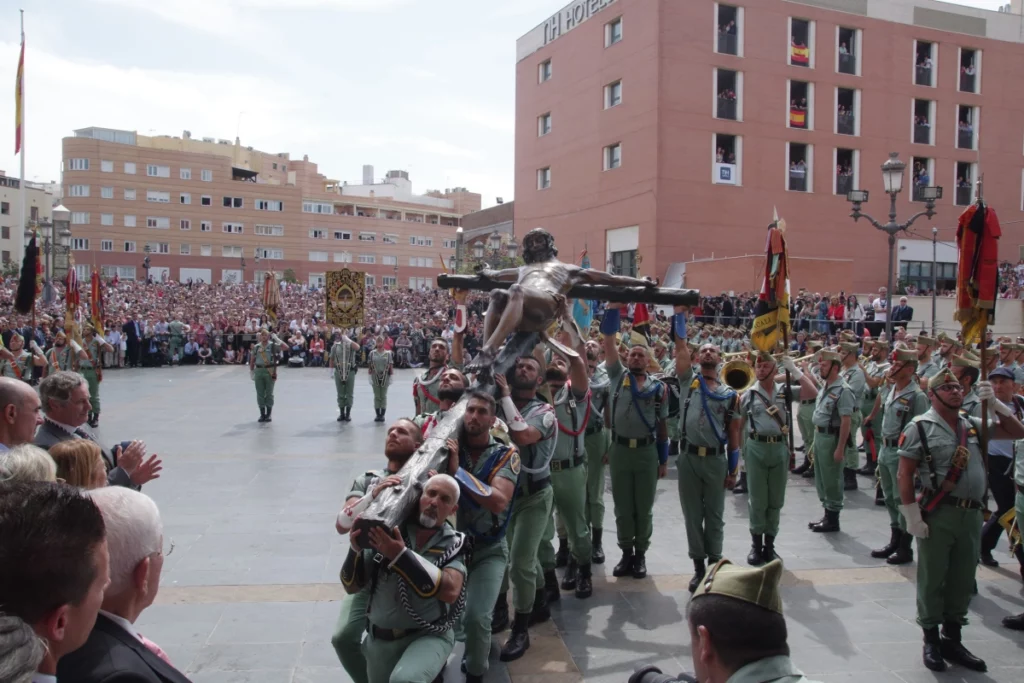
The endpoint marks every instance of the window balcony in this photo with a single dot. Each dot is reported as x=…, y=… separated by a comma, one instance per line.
x=798, y=118
x=923, y=135
x=967, y=82
x=728, y=44
x=848, y=64
x=963, y=196
x=965, y=139
x=726, y=109
x=846, y=124
x=844, y=183
x=798, y=179
x=923, y=75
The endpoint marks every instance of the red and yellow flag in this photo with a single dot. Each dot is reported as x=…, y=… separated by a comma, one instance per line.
x=771, y=312
x=19, y=90
x=977, y=277
x=801, y=55
x=96, y=303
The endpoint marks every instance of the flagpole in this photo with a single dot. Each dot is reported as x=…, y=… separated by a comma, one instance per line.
x=21, y=139
x=983, y=344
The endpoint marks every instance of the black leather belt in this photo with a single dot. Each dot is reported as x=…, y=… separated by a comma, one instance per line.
x=701, y=451
x=891, y=442
x=390, y=633
x=807, y=401
x=633, y=443
x=533, y=487
x=592, y=430
x=761, y=438
x=834, y=431
x=965, y=503
x=559, y=465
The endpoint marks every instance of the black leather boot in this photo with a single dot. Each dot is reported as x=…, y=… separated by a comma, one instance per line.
x=596, y=552
x=541, y=612
x=829, y=525
x=499, y=619
x=953, y=649
x=741, y=485
x=879, y=494
x=562, y=554
x=625, y=565
x=269, y=411
x=551, y=591
x=932, y=655
x=890, y=547
x=639, y=565
x=806, y=465
x=519, y=642
x=1015, y=623
x=755, y=558
x=824, y=518
x=569, y=577
x=348, y=412
x=905, y=552
x=341, y=415
x=987, y=559
x=263, y=415
x=584, y=582
x=869, y=468
x=698, y=575
x=768, y=553
x=849, y=479
x=808, y=473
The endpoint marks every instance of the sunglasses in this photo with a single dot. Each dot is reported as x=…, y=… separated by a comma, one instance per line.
x=950, y=387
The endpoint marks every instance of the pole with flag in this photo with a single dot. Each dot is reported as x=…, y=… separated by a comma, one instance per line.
x=96, y=303
x=19, y=120
x=271, y=297
x=72, y=299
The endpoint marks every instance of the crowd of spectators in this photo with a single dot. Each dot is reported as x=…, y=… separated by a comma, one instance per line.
x=921, y=177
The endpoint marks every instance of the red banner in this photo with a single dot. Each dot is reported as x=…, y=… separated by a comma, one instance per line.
x=977, y=239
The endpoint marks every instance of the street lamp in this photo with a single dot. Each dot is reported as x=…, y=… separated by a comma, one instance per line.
x=494, y=241
x=396, y=272
x=892, y=180
x=459, y=248
x=145, y=262
x=513, y=249
x=478, y=250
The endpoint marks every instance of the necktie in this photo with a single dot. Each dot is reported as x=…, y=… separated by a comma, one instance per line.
x=155, y=649
x=81, y=433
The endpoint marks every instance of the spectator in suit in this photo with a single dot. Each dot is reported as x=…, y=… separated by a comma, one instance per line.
x=133, y=335
x=20, y=413
x=54, y=569
x=115, y=650
x=903, y=312
x=27, y=463
x=65, y=399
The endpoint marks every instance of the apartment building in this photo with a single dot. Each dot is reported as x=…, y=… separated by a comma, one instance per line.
x=660, y=133
x=216, y=211
x=40, y=201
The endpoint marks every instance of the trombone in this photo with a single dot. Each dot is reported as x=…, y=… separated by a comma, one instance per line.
x=776, y=356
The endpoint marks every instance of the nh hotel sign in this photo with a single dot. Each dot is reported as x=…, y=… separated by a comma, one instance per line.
x=572, y=16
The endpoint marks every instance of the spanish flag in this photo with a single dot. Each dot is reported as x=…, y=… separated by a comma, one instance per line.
x=96, y=303
x=797, y=118
x=977, y=277
x=801, y=55
x=271, y=296
x=19, y=93
x=771, y=312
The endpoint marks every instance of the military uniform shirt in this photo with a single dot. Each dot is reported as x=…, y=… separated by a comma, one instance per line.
x=343, y=357
x=92, y=350
x=928, y=369
x=61, y=359
x=625, y=420
x=694, y=425
x=366, y=482
x=176, y=328
x=857, y=381
x=942, y=442
x=536, y=458
x=834, y=400
x=778, y=669
x=380, y=361
x=424, y=389
x=599, y=397
x=874, y=370
x=971, y=404
x=898, y=408
x=265, y=355
x=756, y=412
x=567, y=446
x=472, y=518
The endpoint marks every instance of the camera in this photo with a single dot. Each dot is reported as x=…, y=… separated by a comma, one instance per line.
x=652, y=674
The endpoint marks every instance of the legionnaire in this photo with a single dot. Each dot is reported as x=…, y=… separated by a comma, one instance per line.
x=1007, y=359
x=1017, y=622
x=875, y=376
x=62, y=356
x=263, y=370
x=18, y=363
x=344, y=363
x=177, y=330
x=757, y=652
x=424, y=387
x=90, y=365
x=926, y=366
x=709, y=449
x=414, y=577
x=595, y=442
x=899, y=401
x=450, y=389
x=381, y=367
x=808, y=397
x=832, y=419
x=944, y=354
x=532, y=428
x=1001, y=454
x=402, y=440
x=638, y=453
x=947, y=519
x=855, y=377
x=487, y=473
x=967, y=370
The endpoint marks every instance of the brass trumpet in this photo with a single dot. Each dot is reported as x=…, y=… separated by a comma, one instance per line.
x=737, y=375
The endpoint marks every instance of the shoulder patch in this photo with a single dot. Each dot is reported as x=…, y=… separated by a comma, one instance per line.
x=514, y=463
x=548, y=420
x=903, y=437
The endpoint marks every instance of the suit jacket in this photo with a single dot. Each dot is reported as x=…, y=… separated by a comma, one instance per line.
x=112, y=654
x=902, y=313
x=50, y=434
x=131, y=331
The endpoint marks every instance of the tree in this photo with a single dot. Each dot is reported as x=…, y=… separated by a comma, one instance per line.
x=289, y=277
x=11, y=269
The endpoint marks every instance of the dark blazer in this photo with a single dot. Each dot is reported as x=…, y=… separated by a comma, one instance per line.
x=112, y=654
x=50, y=434
x=902, y=313
x=130, y=332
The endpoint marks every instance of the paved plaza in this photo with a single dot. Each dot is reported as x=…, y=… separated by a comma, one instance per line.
x=250, y=590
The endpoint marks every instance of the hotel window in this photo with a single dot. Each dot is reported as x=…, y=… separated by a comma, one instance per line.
x=155, y=171
x=729, y=30
x=129, y=167
x=106, y=219
x=966, y=174
x=79, y=218
x=543, y=124
x=129, y=247
x=269, y=205
x=269, y=253
x=232, y=228
x=185, y=198
x=79, y=191
x=970, y=70
x=129, y=195
x=318, y=256
x=727, y=157
x=389, y=281
x=613, y=32
x=923, y=171
x=367, y=258
x=233, y=202
x=206, y=200
x=185, y=173
x=847, y=171
x=158, y=222
x=848, y=50
x=389, y=260
x=107, y=192
x=922, y=122
x=613, y=156
x=80, y=243
x=79, y=164
x=800, y=111
x=205, y=226
x=206, y=175
x=232, y=250
x=317, y=234
x=106, y=166
x=206, y=250
x=342, y=257
x=269, y=230
x=967, y=127
x=799, y=169
x=390, y=238
x=544, y=178
x=185, y=249
x=544, y=71
x=801, y=43
x=367, y=237
x=728, y=86
x=847, y=110
x=129, y=221
x=157, y=196
x=613, y=94
x=185, y=224
x=317, y=207
x=370, y=280
x=342, y=235
x=106, y=245
x=926, y=65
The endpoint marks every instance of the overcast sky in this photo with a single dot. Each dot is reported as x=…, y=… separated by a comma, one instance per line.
x=423, y=85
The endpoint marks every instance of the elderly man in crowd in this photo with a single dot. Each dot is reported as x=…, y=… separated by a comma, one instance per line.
x=19, y=413
x=27, y=463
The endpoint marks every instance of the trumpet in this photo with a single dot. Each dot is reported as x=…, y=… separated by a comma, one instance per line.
x=737, y=375
x=776, y=356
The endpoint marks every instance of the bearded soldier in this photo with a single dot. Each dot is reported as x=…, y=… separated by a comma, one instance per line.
x=62, y=355
x=19, y=363
x=90, y=364
x=381, y=368
x=343, y=362
x=926, y=366
x=425, y=386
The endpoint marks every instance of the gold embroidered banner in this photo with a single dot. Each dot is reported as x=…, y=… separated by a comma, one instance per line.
x=346, y=291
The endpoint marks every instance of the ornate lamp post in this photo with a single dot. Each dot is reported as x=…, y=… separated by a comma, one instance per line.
x=145, y=262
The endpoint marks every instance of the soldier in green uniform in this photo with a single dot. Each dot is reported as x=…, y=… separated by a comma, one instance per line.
x=638, y=454
x=487, y=473
x=1016, y=622
x=855, y=377
x=709, y=450
x=899, y=401
x=926, y=366
x=755, y=653
x=532, y=428
x=177, y=330
x=415, y=588
x=875, y=371
x=381, y=368
x=449, y=390
x=944, y=446
x=806, y=411
x=18, y=363
x=766, y=454
x=595, y=443
x=832, y=419
x=263, y=369
x=90, y=365
x=424, y=387
x=61, y=356
x=343, y=362
x=402, y=440
x=967, y=370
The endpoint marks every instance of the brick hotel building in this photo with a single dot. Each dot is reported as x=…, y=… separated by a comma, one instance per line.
x=660, y=134
x=217, y=211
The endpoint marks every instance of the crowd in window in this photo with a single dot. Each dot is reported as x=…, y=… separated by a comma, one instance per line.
x=921, y=177
x=722, y=157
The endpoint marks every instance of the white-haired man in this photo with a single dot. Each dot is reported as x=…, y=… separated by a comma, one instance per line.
x=115, y=649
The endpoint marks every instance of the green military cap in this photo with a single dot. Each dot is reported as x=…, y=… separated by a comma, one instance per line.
x=637, y=339
x=1018, y=347
x=847, y=335
x=965, y=362
x=957, y=344
x=849, y=347
x=905, y=355
x=661, y=344
x=765, y=356
x=692, y=346
x=881, y=342
x=828, y=354
x=756, y=585
x=970, y=355
x=942, y=336
x=927, y=341
x=944, y=376
x=814, y=345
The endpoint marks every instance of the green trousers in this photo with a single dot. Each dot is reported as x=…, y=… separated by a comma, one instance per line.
x=767, y=473
x=888, y=465
x=596, y=445
x=828, y=474
x=264, y=388
x=702, y=497
x=850, y=457
x=804, y=424
x=345, y=389
x=634, y=474
x=946, y=565
x=93, y=380
x=483, y=582
x=348, y=635
x=413, y=659
x=380, y=395
x=570, y=501
x=526, y=528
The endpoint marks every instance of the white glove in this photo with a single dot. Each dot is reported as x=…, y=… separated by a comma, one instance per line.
x=984, y=390
x=35, y=347
x=76, y=346
x=915, y=523
x=794, y=371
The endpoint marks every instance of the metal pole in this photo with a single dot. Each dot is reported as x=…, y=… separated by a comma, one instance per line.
x=935, y=233
x=22, y=188
x=888, y=290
